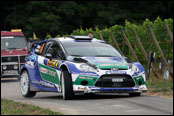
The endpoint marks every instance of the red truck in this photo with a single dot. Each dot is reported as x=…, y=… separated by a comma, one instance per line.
x=13, y=52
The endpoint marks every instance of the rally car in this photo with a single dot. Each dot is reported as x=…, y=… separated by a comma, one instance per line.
x=79, y=64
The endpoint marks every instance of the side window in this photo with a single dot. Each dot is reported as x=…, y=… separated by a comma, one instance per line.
x=39, y=48
x=47, y=46
x=55, y=51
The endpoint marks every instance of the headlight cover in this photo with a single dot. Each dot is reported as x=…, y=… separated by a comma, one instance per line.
x=15, y=66
x=134, y=68
x=86, y=68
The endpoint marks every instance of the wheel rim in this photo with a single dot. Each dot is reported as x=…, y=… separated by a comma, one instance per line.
x=24, y=83
x=63, y=86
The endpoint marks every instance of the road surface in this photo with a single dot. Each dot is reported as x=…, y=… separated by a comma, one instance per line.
x=100, y=104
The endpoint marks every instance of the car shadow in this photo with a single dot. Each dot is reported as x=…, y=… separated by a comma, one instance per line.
x=99, y=96
x=87, y=97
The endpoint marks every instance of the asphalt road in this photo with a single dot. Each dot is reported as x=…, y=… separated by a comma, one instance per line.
x=100, y=104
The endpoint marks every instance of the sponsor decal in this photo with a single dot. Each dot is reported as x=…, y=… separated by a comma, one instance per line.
x=112, y=64
x=48, y=74
x=86, y=78
x=142, y=87
x=40, y=60
x=31, y=61
x=46, y=71
x=52, y=63
x=138, y=78
x=83, y=89
x=88, y=74
x=115, y=72
x=43, y=70
x=46, y=84
x=106, y=60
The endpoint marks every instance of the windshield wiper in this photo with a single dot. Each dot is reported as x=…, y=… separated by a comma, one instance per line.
x=104, y=56
x=77, y=55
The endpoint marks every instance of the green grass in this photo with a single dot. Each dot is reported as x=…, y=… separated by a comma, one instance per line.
x=159, y=85
x=9, y=107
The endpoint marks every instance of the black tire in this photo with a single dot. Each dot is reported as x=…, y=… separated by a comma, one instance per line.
x=26, y=92
x=134, y=94
x=67, y=88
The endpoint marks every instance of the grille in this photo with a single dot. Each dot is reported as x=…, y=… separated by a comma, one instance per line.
x=22, y=59
x=13, y=59
x=10, y=59
x=106, y=81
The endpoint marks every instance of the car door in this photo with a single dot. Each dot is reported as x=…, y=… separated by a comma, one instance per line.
x=48, y=63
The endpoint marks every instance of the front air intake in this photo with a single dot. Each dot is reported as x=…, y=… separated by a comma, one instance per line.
x=106, y=81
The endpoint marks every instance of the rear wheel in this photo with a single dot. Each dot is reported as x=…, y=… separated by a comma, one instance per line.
x=25, y=85
x=67, y=88
x=134, y=94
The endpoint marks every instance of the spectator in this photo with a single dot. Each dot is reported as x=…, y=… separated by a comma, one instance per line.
x=90, y=34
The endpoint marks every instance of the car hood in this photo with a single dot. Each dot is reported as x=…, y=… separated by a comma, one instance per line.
x=108, y=62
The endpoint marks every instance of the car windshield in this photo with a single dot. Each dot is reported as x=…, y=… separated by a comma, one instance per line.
x=13, y=42
x=94, y=49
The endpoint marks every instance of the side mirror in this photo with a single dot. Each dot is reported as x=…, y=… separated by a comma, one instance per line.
x=37, y=49
x=48, y=56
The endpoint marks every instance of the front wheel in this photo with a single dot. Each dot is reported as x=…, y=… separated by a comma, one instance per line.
x=25, y=85
x=67, y=88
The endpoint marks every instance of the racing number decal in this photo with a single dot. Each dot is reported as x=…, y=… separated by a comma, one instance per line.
x=52, y=63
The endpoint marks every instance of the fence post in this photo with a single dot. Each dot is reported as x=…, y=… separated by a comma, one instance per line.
x=116, y=44
x=129, y=45
x=144, y=52
x=169, y=32
x=160, y=51
x=149, y=64
x=100, y=36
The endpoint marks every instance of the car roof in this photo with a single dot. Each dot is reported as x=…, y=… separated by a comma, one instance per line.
x=78, y=38
x=7, y=33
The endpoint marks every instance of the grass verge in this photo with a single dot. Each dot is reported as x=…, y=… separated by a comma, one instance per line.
x=9, y=107
x=160, y=87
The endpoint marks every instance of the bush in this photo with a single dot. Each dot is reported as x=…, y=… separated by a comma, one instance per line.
x=158, y=27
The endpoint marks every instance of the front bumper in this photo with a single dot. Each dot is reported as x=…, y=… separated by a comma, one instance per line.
x=93, y=89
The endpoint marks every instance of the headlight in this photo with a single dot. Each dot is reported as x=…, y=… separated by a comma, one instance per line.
x=134, y=68
x=85, y=68
x=15, y=66
x=4, y=67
